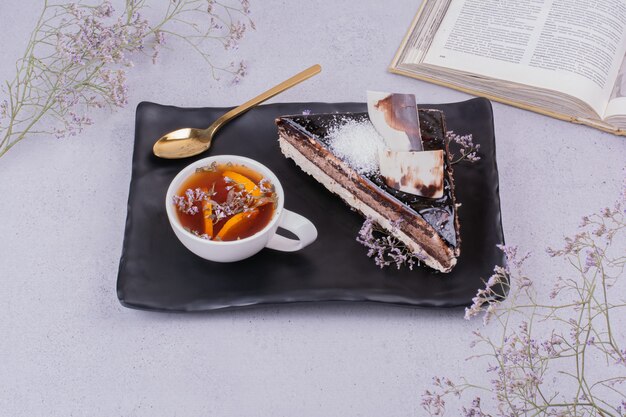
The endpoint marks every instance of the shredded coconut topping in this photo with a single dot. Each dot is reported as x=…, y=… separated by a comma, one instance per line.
x=357, y=143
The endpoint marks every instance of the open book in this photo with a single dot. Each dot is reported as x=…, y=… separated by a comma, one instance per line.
x=563, y=58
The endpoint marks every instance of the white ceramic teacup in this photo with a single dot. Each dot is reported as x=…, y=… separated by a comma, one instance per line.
x=236, y=250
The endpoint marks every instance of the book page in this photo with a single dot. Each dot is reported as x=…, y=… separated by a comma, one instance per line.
x=569, y=46
x=432, y=13
x=617, y=102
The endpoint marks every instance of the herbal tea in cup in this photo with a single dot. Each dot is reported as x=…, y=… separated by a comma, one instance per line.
x=226, y=208
x=224, y=202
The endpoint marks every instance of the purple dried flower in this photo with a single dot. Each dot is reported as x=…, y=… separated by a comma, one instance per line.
x=591, y=261
x=500, y=278
x=574, y=332
x=468, y=149
x=519, y=362
x=160, y=37
x=433, y=403
x=558, y=286
x=524, y=282
x=156, y=47
x=549, y=346
x=384, y=248
x=73, y=125
x=118, y=90
x=239, y=72
x=512, y=257
x=91, y=44
x=187, y=202
x=601, y=230
x=474, y=410
x=105, y=9
x=236, y=32
x=245, y=6
x=73, y=9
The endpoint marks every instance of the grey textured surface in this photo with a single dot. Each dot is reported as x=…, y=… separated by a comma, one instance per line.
x=68, y=348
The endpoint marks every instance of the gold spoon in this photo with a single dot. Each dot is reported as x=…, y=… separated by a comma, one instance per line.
x=190, y=141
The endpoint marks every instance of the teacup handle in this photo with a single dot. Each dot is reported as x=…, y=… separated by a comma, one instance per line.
x=299, y=226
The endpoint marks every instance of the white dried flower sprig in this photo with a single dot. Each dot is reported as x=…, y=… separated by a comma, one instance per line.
x=187, y=203
x=498, y=284
x=560, y=353
x=78, y=56
x=467, y=148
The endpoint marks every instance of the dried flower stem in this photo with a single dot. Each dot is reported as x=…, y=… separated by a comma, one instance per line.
x=586, y=359
x=78, y=54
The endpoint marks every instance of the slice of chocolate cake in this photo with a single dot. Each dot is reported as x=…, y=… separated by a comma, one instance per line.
x=428, y=226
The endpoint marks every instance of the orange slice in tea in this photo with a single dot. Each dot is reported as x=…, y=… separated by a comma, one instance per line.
x=248, y=184
x=236, y=223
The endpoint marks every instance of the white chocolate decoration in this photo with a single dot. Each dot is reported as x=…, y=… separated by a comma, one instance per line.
x=419, y=173
x=396, y=118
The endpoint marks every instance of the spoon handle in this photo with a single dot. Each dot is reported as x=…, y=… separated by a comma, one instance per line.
x=285, y=85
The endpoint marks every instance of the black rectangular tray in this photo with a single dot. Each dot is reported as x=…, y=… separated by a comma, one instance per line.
x=157, y=273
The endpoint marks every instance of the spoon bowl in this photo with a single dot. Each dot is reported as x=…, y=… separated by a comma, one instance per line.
x=182, y=143
x=186, y=142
